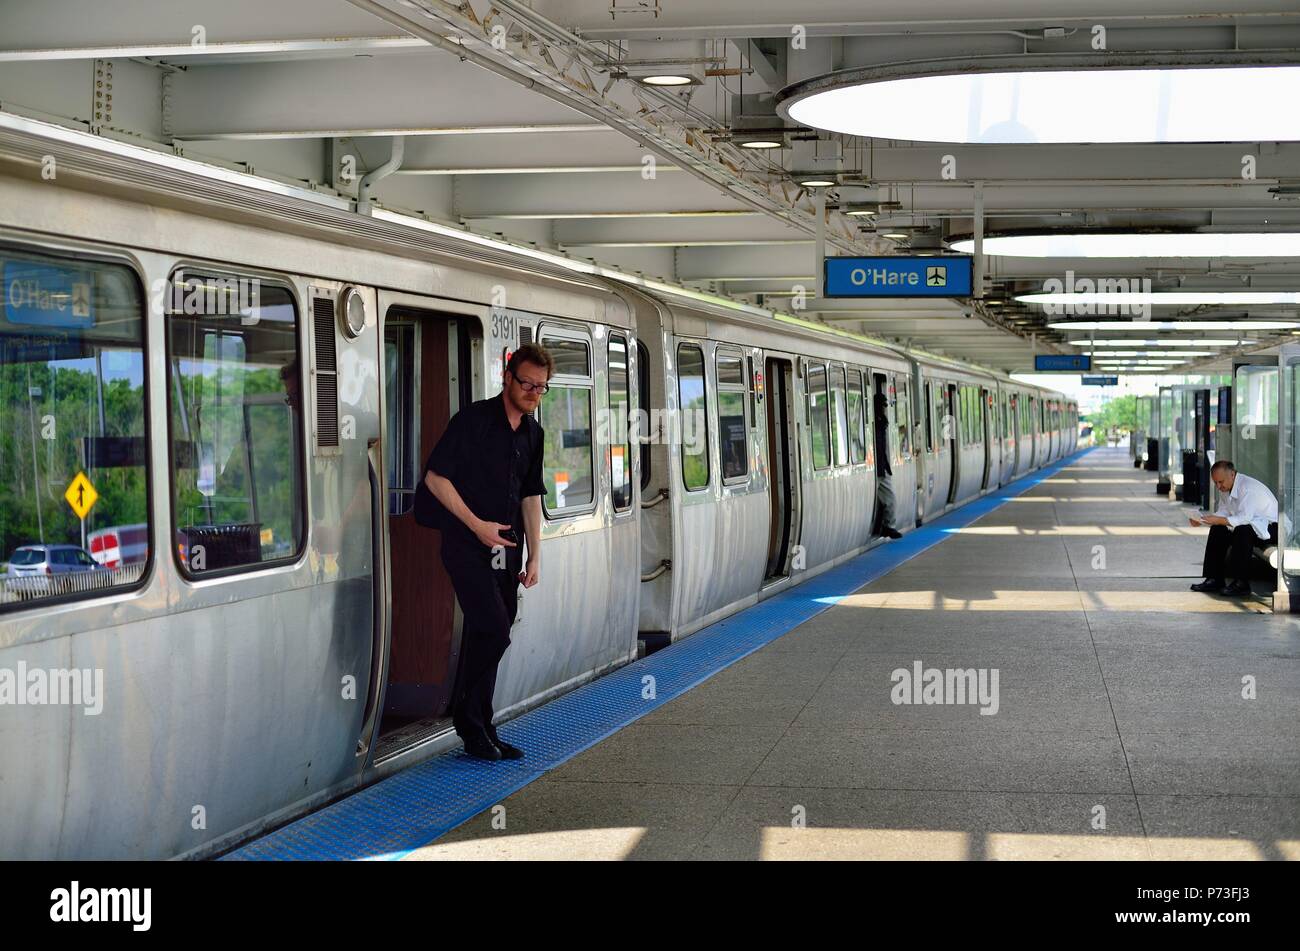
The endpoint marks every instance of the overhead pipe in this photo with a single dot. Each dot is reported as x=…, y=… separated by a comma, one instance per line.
x=375, y=176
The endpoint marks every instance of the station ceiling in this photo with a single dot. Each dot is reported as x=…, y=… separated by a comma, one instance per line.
x=533, y=121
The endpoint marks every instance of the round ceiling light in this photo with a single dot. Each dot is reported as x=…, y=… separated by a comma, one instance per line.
x=761, y=144
x=1094, y=245
x=667, y=80
x=1004, y=105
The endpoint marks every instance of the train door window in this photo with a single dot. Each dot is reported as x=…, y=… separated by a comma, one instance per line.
x=963, y=411
x=565, y=415
x=643, y=404
x=903, y=413
x=733, y=435
x=693, y=403
x=236, y=422
x=818, y=418
x=857, y=429
x=73, y=432
x=839, y=417
x=620, y=409
x=401, y=411
x=929, y=419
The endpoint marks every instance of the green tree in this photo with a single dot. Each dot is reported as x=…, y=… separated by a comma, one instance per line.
x=1120, y=412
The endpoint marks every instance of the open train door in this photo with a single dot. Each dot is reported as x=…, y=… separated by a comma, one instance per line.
x=783, y=481
x=426, y=377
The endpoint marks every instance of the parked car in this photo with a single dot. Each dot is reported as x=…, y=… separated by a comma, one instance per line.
x=36, y=568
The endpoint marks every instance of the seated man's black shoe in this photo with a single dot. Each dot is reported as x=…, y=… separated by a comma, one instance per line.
x=1238, y=589
x=893, y=533
x=480, y=747
x=1209, y=586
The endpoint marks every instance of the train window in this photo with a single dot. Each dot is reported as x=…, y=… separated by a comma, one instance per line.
x=565, y=414
x=620, y=409
x=818, y=419
x=839, y=417
x=236, y=422
x=733, y=435
x=972, y=419
x=857, y=430
x=572, y=357
x=401, y=415
x=903, y=414
x=643, y=403
x=72, y=429
x=730, y=371
x=929, y=419
x=693, y=404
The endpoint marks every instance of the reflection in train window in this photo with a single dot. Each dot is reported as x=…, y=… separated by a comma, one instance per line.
x=643, y=403
x=401, y=413
x=903, y=413
x=570, y=356
x=839, y=417
x=694, y=416
x=732, y=432
x=235, y=397
x=566, y=464
x=565, y=414
x=818, y=420
x=857, y=432
x=72, y=428
x=620, y=409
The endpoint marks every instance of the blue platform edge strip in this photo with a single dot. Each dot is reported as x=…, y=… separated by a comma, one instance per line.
x=410, y=809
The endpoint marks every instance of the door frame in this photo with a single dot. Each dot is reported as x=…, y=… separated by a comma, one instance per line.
x=368, y=741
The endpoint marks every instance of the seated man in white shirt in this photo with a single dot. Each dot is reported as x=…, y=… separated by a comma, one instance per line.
x=1246, y=519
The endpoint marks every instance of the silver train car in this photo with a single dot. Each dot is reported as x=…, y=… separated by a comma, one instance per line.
x=253, y=376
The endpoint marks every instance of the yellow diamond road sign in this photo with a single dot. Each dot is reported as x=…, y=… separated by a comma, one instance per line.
x=81, y=495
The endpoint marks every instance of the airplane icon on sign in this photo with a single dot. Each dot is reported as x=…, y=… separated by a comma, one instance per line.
x=936, y=276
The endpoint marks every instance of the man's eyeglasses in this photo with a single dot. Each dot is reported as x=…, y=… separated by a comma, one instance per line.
x=532, y=387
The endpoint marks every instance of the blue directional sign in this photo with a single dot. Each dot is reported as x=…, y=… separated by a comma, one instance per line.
x=1070, y=362
x=47, y=296
x=903, y=275
x=1101, y=381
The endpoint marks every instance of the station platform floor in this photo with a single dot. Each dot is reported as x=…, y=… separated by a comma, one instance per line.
x=1130, y=718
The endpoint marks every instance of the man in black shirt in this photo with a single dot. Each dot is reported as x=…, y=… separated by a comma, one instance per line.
x=487, y=472
x=884, y=472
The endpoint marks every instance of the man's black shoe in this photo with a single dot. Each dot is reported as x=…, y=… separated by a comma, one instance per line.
x=1237, y=589
x=893, y=533
x=507, y=751
x=480, y=747
x=1209, y=586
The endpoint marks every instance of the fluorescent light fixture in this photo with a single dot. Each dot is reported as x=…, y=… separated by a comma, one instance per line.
x=896, y=235
x=1121, y=342
x=668, y=80
x=1160, y=298
x=1279, y=244
x=761, y=144
x=1102, y=357
x=1179, y=104
x=861, y=212
x=1146, y=361
x=1175, y=325
x=817, y=182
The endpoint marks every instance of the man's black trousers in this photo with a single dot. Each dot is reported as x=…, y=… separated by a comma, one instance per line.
x=1236, y=546
x=488, y=601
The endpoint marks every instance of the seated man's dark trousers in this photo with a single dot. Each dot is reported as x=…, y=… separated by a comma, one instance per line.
x=489, y=599
x=1236, y=546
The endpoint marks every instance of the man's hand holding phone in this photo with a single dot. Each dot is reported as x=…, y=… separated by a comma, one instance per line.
x=495, y=535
